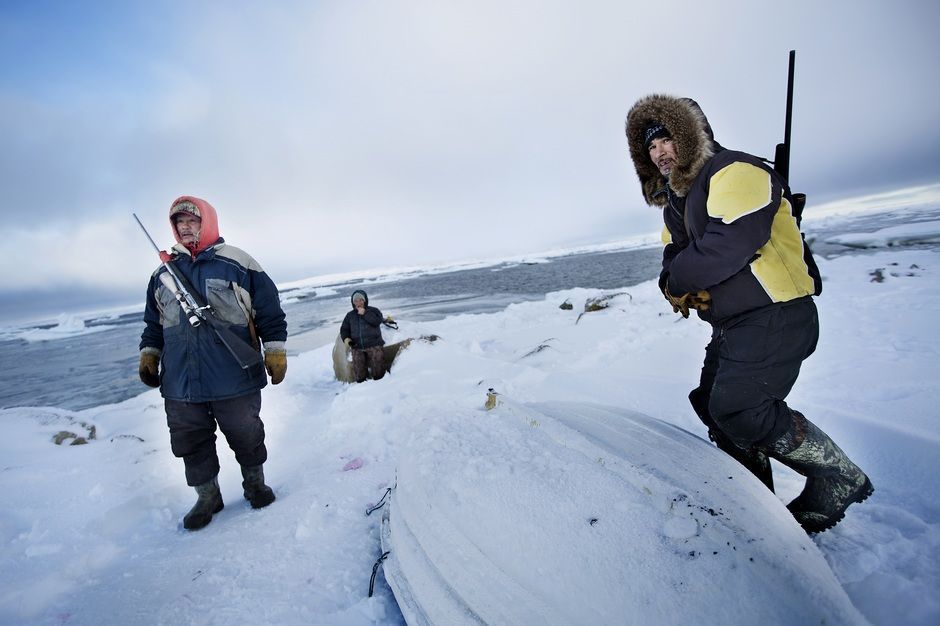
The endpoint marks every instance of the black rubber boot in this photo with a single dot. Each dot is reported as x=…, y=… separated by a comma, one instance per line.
x=754, y=459
x=208, y=504
x=256, y=492
x=833, y=482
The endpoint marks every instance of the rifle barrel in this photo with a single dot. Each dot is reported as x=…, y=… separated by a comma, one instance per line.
x=141, y=224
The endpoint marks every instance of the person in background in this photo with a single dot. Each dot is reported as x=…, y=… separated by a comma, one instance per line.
x=201, y=382
x=734, y=252
x=362, y=333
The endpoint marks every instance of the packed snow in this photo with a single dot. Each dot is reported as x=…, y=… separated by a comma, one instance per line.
x=91, y=534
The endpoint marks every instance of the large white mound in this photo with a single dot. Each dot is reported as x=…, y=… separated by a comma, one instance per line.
x=572, y=513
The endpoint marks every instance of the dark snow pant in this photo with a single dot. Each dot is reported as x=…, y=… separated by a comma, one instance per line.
x=368, y=360
x=751, y=363
x=192, y=433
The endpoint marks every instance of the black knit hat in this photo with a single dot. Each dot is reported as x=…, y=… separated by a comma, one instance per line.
x=654, y=130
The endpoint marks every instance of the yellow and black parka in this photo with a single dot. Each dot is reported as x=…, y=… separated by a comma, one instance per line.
x=730, y=227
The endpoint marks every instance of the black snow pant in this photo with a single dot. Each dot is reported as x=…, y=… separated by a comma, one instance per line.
x=368, y=361
x=751, y=364
x=192, y=434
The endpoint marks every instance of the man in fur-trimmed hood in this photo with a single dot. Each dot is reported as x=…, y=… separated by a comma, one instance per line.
x=734, y=252
x=683, y=120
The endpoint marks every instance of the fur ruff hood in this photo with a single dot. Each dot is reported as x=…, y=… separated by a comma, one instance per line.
x=694, y=141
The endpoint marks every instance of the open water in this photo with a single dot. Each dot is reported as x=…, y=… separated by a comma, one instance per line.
x=99, y=368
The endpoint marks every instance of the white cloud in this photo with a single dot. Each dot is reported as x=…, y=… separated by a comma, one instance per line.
x=419, y=132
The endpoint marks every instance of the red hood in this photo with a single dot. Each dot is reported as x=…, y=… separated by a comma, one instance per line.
x=209, y=233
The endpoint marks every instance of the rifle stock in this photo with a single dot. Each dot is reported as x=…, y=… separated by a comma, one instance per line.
x=782, y=160
x=244, y=353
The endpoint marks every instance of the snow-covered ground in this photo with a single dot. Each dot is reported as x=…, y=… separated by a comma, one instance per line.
x=90, y=534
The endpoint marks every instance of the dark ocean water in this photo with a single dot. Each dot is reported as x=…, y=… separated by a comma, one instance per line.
x=101, y=368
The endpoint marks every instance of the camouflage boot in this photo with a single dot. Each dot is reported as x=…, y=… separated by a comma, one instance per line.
x=833, y=482
x=256, y=492
x=208, y=504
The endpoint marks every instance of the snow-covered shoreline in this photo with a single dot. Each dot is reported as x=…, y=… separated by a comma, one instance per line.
x=89, y=533
x=909, y=201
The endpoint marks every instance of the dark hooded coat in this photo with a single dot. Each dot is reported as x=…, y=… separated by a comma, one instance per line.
x=365, y=330
x=730, y=226
x=195, y=365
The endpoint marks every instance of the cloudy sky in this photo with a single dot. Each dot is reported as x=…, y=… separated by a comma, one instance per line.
x=346, y=135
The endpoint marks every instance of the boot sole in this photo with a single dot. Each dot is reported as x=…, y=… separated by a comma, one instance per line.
x=198, y=522
x=859, y=496
x=260, y=503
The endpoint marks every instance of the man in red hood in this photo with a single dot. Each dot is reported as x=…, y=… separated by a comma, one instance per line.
x=202, y=384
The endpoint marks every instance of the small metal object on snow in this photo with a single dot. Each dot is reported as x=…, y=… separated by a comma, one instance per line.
x=491, y=400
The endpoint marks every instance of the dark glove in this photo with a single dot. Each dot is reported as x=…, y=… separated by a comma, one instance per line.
x=700, y=301
x=149, y=368
x=275, y=361
x=680, y=304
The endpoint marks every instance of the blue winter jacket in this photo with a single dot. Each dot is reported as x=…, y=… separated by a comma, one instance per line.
x=195, y=365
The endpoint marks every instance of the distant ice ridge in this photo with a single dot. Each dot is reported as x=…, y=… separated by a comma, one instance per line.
x=910, y=199
x=341, y=281
x=66, y=325
x=905, y=234
x=915, y=200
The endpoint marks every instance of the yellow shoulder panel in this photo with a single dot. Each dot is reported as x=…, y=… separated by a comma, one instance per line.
x=738, y=190
x=666, y=236
x=780, y=267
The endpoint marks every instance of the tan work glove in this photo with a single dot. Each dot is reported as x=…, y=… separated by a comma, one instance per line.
x=149, y=369
x=700, y=301
x=275, y=361
x=348, y=342
x=680, y=304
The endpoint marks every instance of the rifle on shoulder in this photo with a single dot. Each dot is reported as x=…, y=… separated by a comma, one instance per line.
x=197, y=311
x=782, y=153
